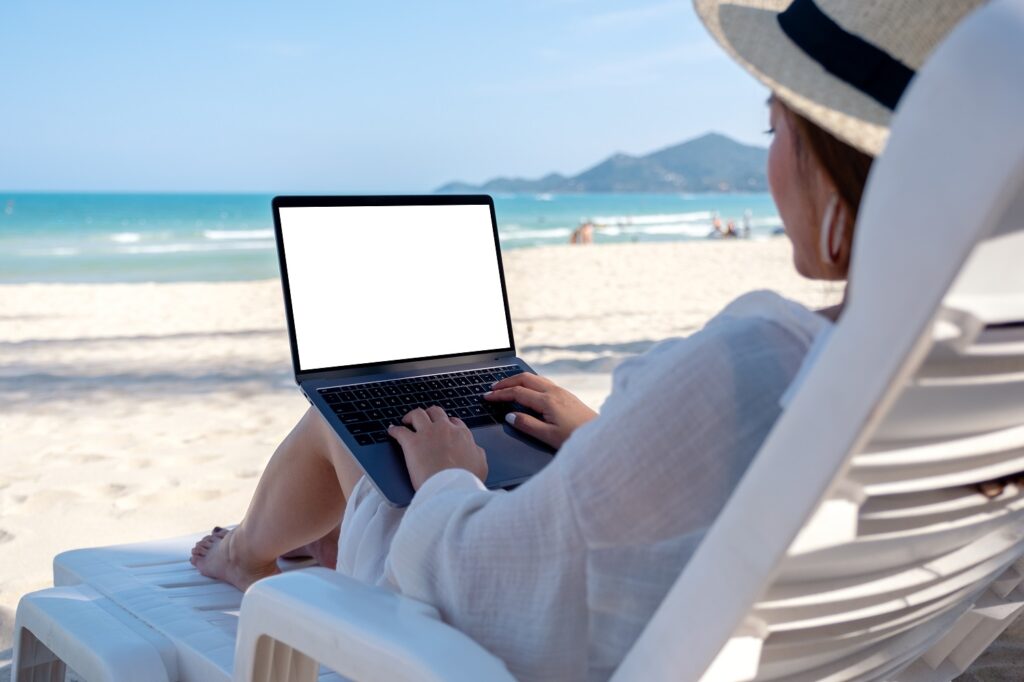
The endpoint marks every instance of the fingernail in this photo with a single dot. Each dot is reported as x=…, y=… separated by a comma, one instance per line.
x=494, y=384
x=488, y=393
x=511, y=418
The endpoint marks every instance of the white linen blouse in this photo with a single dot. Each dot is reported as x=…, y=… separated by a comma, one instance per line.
x=559, y=576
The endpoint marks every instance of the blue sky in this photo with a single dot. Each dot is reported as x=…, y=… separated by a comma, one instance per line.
x=350, y=96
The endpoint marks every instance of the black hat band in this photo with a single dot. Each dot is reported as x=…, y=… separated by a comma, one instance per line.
x=850, y=58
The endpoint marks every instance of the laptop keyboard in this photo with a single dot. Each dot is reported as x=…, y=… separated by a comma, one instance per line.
x=367, y=410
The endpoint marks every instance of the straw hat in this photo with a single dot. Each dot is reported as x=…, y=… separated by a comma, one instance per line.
x=843, y=64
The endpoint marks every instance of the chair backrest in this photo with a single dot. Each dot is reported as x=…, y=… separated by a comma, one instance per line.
x=856, y=547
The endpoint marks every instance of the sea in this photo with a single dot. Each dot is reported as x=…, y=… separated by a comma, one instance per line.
x=229, y=237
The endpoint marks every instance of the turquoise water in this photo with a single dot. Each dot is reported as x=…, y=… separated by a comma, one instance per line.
x=216, y=237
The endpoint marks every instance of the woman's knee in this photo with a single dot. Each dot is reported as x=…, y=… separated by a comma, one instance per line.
x=321, y=437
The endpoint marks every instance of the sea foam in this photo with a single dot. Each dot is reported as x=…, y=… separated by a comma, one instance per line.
x=238, y=234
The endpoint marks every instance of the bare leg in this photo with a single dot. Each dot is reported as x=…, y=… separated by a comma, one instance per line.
x=298, y=501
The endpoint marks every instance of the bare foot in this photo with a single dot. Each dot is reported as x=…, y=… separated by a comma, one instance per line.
x=217, y=557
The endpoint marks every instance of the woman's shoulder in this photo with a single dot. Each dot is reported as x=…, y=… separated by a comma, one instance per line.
x=769, y=306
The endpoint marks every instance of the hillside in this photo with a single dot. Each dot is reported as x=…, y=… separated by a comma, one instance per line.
x=709, y=163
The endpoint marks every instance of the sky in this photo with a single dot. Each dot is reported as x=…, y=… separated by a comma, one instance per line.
x=349, y=97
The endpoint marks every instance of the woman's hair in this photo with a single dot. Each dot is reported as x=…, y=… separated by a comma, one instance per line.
x=846, y=166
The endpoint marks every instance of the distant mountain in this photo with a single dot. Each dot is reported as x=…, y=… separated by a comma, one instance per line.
x=709, y=163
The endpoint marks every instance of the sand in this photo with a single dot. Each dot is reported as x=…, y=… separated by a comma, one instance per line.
x=135, y=411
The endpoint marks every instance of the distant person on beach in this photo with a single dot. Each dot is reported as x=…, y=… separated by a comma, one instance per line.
x=559, y=577
x=716, y=226
x=727, y=231
x=747, y=217
x=584, y=234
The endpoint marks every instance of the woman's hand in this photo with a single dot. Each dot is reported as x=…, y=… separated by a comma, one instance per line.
x=562, y=412
x=436, y=442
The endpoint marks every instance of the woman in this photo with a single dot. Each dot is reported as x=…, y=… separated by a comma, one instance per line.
x=559, y=577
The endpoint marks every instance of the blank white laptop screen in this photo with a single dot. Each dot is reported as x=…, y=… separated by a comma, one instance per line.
x=373, y=284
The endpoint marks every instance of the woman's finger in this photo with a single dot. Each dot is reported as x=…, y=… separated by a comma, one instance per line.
x=400, y=434
x=527, y=379
x=527, y=397
x=457, y=422
x=417, y=418
x=437, y=413
x=531, y=426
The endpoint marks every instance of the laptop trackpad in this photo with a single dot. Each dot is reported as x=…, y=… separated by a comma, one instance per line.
x=512, y=457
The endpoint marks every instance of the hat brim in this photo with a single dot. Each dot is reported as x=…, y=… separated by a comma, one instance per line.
x=749, y=31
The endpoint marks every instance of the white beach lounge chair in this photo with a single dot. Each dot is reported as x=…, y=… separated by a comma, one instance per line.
x=855, y=548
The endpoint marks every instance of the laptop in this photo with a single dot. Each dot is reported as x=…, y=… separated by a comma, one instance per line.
x=398, y=302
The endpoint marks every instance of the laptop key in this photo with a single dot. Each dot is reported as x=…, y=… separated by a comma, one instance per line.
x=378, y=402
x=364, y=439
x=352, y=417
x=362, y=404
x=343, y=407
x=390, y=411
x=376, y=414
x=363, y=427
x=393, y=401
x=347, y=396
x=331, y=397
x=477, y=411
x=379, y=436
x=463, y=412
x=361, y=394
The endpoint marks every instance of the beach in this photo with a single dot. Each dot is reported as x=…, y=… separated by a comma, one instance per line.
x=140, y=411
